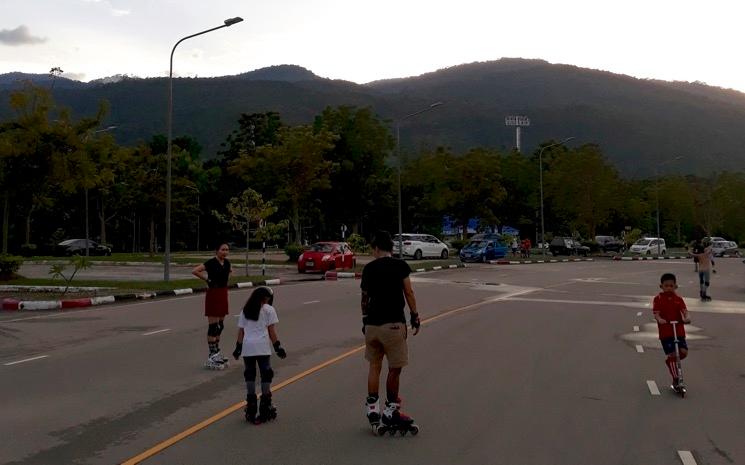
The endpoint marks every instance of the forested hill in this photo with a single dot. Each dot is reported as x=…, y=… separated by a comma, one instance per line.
x=638, y=123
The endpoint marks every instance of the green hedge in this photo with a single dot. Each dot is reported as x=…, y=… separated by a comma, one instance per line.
x=9, y=265
x=293, y=251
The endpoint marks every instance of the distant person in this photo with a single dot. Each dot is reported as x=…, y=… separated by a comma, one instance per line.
x=386, y=287
x=257, y=334
x=702, y=251
x=514, y=247
x=216, y=273
x=668, y=306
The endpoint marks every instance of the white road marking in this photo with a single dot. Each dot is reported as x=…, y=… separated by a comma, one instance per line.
x=640, y=349
x=25, y=360
x=686, y=457
x=312, y=302
x=653, y=389
x=156, y=332
x=636, y=329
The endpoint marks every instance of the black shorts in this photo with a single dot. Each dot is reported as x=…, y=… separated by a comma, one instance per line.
x=668, y=344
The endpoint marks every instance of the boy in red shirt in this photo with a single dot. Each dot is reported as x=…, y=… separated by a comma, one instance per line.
x=669, y=306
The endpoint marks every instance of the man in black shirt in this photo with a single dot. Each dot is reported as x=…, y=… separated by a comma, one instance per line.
x=385, y=284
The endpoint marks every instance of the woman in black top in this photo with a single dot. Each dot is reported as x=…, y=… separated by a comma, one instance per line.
x=216, y=272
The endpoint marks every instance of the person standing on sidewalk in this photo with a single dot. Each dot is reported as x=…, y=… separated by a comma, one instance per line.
x=385, y=286
x=216, y=273
x=704, y=254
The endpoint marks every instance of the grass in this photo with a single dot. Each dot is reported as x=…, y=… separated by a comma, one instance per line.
x=181, y=258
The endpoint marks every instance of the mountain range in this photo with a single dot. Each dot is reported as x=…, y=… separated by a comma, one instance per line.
x=641, y=125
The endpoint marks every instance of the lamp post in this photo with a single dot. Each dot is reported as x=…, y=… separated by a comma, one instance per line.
x=540, y=175
x=657, y=195
x=85, y=189
x=167, y=259
x=398, y=170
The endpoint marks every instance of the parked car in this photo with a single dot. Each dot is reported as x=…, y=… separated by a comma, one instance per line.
x=722, y=248
x=567, y=246
x=610, y=244
x=483, y=251
x=325, y=256
x=649, y=246
x=420, y=246
x=77, y=247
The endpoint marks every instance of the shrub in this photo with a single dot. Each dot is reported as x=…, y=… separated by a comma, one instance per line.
x=458, y=244
x=28, y=250
x=9, y=265
x=358, y=243
x=293, y=251
x=594, y=246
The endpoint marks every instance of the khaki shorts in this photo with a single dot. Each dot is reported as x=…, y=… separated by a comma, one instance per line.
x=389, y=340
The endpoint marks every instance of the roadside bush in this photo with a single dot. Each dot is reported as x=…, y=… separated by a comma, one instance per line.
x=458, y=244
x=28, y=250
x=741, y=245
x=293, y=251
x=358, y=243
x=9, y=264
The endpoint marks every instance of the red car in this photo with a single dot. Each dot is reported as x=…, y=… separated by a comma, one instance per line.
x=325, y=256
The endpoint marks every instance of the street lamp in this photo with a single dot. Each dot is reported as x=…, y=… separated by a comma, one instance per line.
x=398, y=169
x=657, y=194
x=167, y=264
x=540, y=175
x=85, y=189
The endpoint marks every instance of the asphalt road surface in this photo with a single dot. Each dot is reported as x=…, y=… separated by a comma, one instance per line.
x=527, y=364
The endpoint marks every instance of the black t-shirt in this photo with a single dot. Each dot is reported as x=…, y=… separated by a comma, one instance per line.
x=383, y=280
x=217, y=274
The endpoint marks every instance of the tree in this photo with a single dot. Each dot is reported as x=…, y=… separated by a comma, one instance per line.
x=582, y=187
x=243, y=210
x=293, y=169
x=359, y=153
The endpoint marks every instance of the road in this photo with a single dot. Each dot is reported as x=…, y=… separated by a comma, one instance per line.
x=526, y=364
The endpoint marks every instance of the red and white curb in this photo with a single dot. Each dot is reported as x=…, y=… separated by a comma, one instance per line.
x=531, y=262
x=335, y=275
x=628, y=259
x=15, y=304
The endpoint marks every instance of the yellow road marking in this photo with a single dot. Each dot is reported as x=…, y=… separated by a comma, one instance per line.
x=233, y=408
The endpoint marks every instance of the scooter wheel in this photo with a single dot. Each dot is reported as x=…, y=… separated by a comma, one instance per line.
x=414, y=430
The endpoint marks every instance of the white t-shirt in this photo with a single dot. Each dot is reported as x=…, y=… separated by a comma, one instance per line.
x=255, y=334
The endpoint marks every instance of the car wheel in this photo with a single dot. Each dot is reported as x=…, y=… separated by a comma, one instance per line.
x=301, y=270
x=444, y=254
x=418, y=255
x=649, y=252
x=664, y=252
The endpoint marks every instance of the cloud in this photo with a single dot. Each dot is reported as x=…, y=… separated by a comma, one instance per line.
x=19, y=36
x=116, y=12
x=74, y=76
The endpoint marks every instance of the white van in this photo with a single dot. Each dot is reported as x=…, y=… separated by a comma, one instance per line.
x=649, y=246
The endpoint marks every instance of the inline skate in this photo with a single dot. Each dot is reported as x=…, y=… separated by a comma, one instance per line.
x=267, y=411
x=395, y=421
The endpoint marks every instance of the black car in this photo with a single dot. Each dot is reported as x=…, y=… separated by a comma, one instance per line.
x=610, y=244
x=77, y=247
x=567, y=246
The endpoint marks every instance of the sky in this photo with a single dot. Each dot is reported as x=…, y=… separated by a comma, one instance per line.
x=358, y=41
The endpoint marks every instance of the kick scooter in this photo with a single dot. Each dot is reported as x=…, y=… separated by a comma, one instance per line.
x=681, y=387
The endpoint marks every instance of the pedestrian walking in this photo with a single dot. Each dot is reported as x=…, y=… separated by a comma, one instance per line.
x=386, y=289
x=216, y=273
x=514, y=247
x=257, y=334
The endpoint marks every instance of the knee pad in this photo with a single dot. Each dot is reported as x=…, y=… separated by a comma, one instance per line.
x=220, y=327
x=267, y=376
x=213, y=330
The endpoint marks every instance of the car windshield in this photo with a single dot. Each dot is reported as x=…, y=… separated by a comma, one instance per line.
x=477, y=244
x=68, y=242
x=321, y=247
x=406, y=237
x=642, y=242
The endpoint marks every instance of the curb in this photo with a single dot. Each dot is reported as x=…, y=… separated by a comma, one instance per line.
x=15, y=304
x=530, y=262
x=633, y=259
x=336, y=275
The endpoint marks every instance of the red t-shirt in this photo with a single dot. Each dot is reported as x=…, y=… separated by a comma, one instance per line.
x=670, y=306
